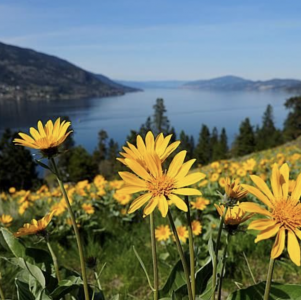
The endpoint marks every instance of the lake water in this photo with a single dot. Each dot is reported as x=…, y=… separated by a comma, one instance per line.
x=186, y=109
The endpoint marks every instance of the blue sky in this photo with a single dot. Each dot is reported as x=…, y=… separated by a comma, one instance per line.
x=162, y=39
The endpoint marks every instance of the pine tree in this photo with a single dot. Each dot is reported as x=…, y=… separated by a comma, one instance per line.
x=146, y=127
x=187, y=143
x=245, y=141
x=17, y=168
x=203, y=149
x=174, y=134
x=160, y=122
x=267, y=136
x=292, y=124
x=214, y=145
x=224, y=149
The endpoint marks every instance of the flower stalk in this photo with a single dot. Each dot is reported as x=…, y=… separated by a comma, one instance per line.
x=269, y=279
x=191, y=249
x=181, y=253
x=55, y=262
x=215, y=258
x=76, y=231
x=154, y=257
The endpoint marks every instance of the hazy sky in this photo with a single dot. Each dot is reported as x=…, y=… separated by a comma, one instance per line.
x=162, y=39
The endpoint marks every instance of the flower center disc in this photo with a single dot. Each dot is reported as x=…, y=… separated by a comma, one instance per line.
x=162, y=185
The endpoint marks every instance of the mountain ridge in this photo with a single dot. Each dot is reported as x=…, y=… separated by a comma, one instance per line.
x=32, y=75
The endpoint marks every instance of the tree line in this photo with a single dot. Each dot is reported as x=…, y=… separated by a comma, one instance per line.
x=18, y=169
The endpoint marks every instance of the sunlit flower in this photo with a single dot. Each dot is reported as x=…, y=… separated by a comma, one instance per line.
x=25, y=198
x=215, y=165
x=12, y=190
x=158, y=185
x=162, y=233
x=6, y=220
x=59, y=208
x=283, y=216
x=234, y=216
x=47, y=138
x=196, y=227
x=159, y=146
x=116, y=184
x=23, y=207
x=35, y=226
x=123, y=199
x=182, y=233
x=88, y=208
x=234, y=190
x=214, y=177
x=99, y=181
x=249, y=164
x=203, y=183
x=241, y=172
x=291, y=185
x=200, y=203
x=222, y=182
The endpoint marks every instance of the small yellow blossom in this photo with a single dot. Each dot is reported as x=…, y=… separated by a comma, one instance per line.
x=182, y=233
x=6, y=220
x=162, y=233
x=196, y=227
x=214, y=177
x=200, y=203
x=12, y=190
x=88, y=208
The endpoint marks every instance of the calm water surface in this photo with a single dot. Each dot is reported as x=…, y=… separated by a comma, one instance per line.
x=186, y=110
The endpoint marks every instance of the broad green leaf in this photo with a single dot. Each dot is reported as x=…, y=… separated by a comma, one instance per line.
x=9, y=242
x=278, y=291
x=211, y=248
x=66, y=286
x=23, y=291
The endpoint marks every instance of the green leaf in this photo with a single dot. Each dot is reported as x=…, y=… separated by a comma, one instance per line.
x=211, y=248
x=9, y=242
x=66, y=286
x=23, y=291
x=278, y=291
x=42, y=165
x=175, y=280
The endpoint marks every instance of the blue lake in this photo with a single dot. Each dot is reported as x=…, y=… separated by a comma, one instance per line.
x=186, y=109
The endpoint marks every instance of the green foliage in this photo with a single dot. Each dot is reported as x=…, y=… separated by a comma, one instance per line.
x=17, y=166
x=292, y=124
x=278, y=291
x=160, y=122
x=268, y=136
x=203, y=149
x=245, y=141
x=187, y=143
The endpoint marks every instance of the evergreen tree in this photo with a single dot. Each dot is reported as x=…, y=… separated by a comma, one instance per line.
x=101, y=152
x=187, y=143
x=146, y=127
x=81, y=165
x=214, y=145
x=268, y=136
x=223, y=144
x=132, y=137
x=174, y=135
x=17, y=168
x=245, y=141
x=292, y=124
x=203, y=149
x=160, y=122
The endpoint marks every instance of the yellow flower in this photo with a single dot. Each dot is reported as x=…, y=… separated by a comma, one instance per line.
x=283, y=216
x=159, y=146
x=35, y=226
x=203, y=182
x=12, y=190
x=88, y=208
x=214, y=177
x=47, y=138
x=249, y=164
x=241, y=172
x=196, y=227
x=234, y=190
x=116, y=184
x=222, y=182
x=291, y=185
x=158, y=185
x=182, y=233
x=200, y=203
x=6, y=220
x=123, y=199
x=162, y=233
x=234, y=216
x=215, y=165
x=59, y=208
x=23, y=207
x=25, y=198
x=99, y=181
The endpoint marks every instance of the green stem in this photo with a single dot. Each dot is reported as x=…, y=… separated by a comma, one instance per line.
x=76, y=231
x=97, y=280
x=154, y=256
x=181, y=253
x=1, y=291
x=191, y=249
x=215, y=258
x=55, y=263
x=223, y=268
x=269, y=280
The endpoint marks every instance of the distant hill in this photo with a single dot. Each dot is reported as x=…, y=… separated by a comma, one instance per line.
x=234, y=83
x=115, y=84
x=27, y=74
x=164, y=84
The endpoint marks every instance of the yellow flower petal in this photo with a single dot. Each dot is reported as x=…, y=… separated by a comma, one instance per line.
x=176, y=164
x=140, y=201
x=262, y=186
x=279, y=244
x=261, y=224
x=255, y=208
x=178, y=202
x=187, y=192
x=131, y=189
x=150, y=206
x=297, y=190
x=275, y=182
x=267, y=233
x=284, y=179
x=190, y=179
x=162, y=205
x=293, y=247
x=137, y=168
x=259, y=195
x=132, y=179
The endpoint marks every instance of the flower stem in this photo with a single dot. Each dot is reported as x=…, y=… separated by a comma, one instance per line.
x=269, y=279
x=181, y=253
x=97, y=280
x=76, y=231
x=223, y=268
x=215, y=258
x=55, y=263
x=191, y=249
x=1, y=291
x=154, y=255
